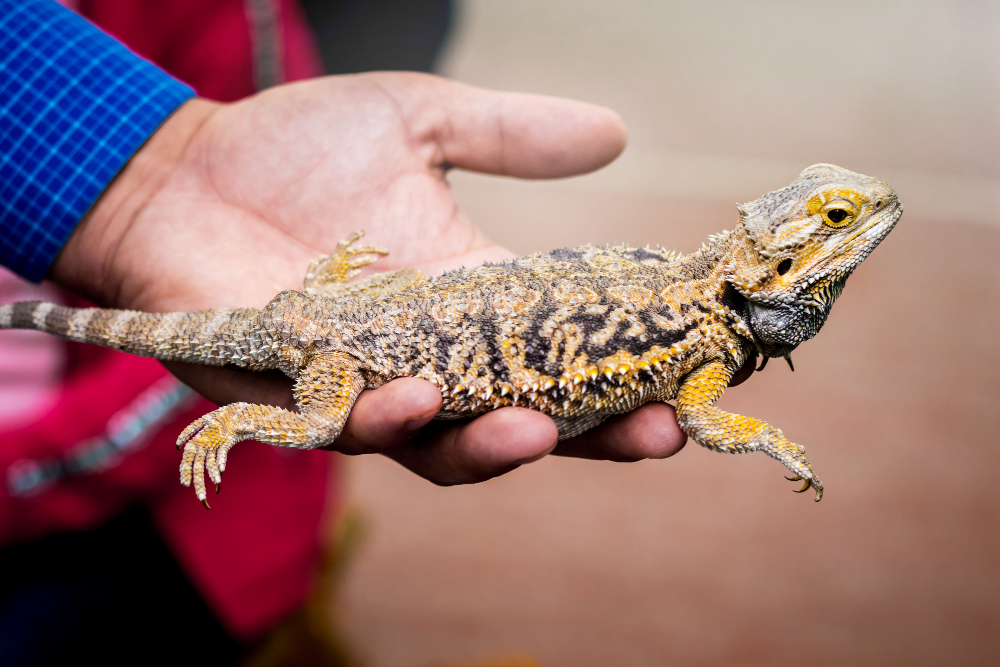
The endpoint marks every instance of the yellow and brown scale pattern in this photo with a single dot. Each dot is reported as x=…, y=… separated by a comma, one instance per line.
x=577, y=333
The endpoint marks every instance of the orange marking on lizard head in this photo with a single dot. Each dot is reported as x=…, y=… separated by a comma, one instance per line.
x=811, y=235
x=820, y=216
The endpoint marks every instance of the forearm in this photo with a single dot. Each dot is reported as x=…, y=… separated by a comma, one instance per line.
x=74, y=107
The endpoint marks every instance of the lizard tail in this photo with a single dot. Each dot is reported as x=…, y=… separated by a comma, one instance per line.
x=207, y=336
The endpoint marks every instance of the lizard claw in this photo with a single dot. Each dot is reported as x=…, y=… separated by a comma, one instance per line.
x=809, y=482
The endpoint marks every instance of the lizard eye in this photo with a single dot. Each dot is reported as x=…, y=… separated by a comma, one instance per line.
x=837, y=215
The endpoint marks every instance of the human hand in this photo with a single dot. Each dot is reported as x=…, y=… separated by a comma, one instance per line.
x=227, y=205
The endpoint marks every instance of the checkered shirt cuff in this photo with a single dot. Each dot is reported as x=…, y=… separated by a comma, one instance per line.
x=75, y=104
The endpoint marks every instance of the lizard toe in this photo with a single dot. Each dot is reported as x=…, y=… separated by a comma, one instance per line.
x=818, y=487
x=187, y=459
x=198, y=473
x=212, y=466
x=191, y=430
x=222, y=456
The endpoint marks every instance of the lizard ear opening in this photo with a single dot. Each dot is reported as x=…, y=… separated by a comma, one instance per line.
x=784, y=266
x=732, y=299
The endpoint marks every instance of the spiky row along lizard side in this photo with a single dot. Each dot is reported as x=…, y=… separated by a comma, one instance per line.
x=577, y=334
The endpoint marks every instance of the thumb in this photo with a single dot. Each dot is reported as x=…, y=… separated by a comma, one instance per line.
x=509, y=134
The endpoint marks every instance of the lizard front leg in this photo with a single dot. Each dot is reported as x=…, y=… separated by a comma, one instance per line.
x=325, y=392
x=727, y=432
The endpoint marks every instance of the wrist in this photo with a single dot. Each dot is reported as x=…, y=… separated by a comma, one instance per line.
x=85, y=265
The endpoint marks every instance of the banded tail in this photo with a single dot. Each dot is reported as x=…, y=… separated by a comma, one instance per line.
x=209, y=336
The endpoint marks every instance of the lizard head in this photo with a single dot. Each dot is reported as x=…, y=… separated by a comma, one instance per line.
x=809, y=237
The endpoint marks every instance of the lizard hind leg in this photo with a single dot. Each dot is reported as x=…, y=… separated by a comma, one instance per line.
x=374, y=286
x=343, y=263
x=325, y=391
x=727, y=432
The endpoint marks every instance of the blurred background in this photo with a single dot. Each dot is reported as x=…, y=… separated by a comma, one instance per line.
x=704, y=558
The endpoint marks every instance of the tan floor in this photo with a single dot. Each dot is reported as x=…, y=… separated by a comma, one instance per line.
x=708, y=559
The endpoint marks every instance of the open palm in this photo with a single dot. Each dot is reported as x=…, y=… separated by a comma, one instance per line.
x=228, y=204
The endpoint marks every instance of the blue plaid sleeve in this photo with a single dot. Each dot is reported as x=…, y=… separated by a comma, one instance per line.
x=75, y=104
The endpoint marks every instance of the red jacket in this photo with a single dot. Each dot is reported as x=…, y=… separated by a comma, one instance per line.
x=103, y=437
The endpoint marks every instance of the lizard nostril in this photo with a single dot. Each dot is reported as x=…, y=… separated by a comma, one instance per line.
x=784, y=266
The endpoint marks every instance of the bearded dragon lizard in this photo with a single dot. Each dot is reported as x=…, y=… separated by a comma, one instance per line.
x=578, y=334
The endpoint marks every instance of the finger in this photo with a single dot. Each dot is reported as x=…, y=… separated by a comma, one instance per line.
x=228, y=385
x=486, y=447
x=388, y=416
x=745, y=371
x=651, y=432
x=511, y=134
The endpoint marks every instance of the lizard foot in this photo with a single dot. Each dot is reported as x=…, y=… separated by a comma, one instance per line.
x=343, y=263
x=792, y=456
x=206, y=443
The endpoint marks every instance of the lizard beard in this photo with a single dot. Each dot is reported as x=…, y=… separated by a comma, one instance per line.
x=782, y=327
